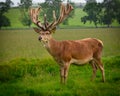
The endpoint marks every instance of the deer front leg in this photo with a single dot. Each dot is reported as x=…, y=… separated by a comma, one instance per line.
x=64, y=72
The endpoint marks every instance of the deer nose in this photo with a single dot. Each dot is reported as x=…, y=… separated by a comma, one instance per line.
x=40, y=38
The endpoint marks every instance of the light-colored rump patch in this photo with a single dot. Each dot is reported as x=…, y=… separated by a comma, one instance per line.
x=99, y=41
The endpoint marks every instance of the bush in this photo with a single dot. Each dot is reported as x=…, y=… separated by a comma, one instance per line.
x=18, y=68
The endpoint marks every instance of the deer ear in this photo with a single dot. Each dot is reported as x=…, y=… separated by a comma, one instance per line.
x=53, y=30
x=37, y=30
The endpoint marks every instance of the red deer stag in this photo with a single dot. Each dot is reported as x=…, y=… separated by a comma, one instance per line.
x=69, y=51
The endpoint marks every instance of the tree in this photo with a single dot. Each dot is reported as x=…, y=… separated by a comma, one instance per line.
x=4, y=7
x=117, y=10
x=93, y=10
x=108, y=12
x=103, y=13
x=111, y=11
x=24, y=7
x=25, y=18
x=51, y=5
x=4, y=21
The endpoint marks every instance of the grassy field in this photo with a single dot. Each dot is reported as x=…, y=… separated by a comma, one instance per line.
x=26, y=68
x=25, y=44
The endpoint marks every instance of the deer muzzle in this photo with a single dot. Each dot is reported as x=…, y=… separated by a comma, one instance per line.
x=40, y=38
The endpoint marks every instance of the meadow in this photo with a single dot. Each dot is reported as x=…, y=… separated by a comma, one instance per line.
x=26, y=68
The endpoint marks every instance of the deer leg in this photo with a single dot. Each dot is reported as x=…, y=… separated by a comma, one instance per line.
x=94, y=67
x=101, y=67
x=62, y=74
x=66, y=68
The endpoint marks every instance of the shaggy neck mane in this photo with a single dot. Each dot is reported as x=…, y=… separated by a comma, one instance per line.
x=52, y=46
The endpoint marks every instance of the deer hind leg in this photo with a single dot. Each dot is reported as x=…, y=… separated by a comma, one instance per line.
x=101, y=67
x=94, y=67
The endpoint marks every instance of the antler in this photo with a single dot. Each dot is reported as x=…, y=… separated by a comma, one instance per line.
x=64, y=12
x=34, y=13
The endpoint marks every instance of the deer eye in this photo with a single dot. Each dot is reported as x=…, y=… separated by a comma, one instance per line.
x=42, y=33
x=47, y=33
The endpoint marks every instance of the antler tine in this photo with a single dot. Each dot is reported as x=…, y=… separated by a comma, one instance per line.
x=54, y=15
x=34, y=13
x=69, y=8
x=64, y=12
x=45, y=21
x=53, y=23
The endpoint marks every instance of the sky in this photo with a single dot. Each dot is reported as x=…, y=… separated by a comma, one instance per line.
x=38, y=1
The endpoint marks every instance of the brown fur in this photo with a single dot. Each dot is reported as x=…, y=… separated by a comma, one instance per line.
x=85, y=50
x=79, y=49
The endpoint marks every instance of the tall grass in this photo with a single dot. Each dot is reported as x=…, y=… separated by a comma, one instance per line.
x=35, y=77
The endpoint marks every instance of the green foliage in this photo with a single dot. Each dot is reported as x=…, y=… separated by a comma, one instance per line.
x=93, y=10
x=4, y=7
x=24, y=8
x=117, y=10
x=111, y=11
x=5, y=21
x=25, y=4
x=25, y=18
x=108, y=14
x=102, y=13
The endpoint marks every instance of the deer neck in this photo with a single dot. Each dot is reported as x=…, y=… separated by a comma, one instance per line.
x=52, y=46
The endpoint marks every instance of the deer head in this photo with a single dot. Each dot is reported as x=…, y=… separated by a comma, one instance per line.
x=46, y=29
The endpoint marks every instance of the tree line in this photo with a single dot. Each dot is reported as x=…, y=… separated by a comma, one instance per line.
x=102, y=13
x=4, y=7
x=98, y=13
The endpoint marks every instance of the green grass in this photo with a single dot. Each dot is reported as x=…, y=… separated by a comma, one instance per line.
x=26, y=68
x=35, y=77
x=14, y=16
